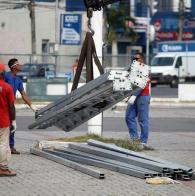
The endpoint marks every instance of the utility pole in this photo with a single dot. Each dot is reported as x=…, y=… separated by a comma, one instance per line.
x=56, y=47
x=56, y=26
x=148, y=35
x=181, y=19
x=33, y=28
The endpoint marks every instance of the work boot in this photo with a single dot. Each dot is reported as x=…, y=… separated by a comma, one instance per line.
x=14, y=151
x=146, y=147
x=7, y=172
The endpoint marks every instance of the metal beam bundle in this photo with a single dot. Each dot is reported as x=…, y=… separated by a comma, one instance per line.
x=113, y=166
x=177, y=171
x=115, y=148
x=91, y=99
x=117, y=159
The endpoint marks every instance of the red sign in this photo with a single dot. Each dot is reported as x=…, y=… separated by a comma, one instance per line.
x=187, y=36
x=173, y=35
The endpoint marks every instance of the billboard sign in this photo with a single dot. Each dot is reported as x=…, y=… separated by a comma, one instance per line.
x=70, y=29
x=176, y=47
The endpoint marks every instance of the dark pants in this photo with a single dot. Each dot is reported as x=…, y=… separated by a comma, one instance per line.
x=11, y=139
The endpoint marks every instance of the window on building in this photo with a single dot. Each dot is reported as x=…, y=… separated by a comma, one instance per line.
x=170, y=23
x=165, y=5
x=75, y=5
x=45, y=46
x=140, y=8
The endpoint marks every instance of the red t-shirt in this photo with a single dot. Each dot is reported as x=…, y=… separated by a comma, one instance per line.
x=146, y=90
x=6, y=97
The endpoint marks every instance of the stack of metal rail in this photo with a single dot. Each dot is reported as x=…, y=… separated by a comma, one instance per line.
x=91, y=99
x=118, y=159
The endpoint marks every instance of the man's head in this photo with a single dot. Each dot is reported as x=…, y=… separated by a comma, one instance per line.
x=2, y=70
x=139, y=57
x=14, y=65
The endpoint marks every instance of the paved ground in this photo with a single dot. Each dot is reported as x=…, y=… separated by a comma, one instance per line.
x=38, y=176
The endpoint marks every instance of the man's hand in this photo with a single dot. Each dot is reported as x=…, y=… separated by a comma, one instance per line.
x=132, y=99
x=126, y=99
x=13, y=126
x=33, y=108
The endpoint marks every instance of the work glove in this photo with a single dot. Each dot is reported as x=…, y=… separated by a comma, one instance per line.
x=13, y=126
x=132, y=99
x=33, y=108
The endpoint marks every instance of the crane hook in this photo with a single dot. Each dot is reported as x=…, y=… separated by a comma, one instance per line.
x=89, y=15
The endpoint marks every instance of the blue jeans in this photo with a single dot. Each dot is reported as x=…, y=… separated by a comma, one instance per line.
x=139, y=110
x=11, y=139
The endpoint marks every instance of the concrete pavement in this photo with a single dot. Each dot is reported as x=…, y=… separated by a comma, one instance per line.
x=38, y=176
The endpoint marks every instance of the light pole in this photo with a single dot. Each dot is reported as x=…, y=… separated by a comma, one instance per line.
x=181, y=19
x=56, y=47
x=33, y=27
x=148, y=34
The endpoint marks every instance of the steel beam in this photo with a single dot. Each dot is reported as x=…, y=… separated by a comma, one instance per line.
x=176, y=167
x=103, y=159
x=91, y=99
x=68, y=163
x=120, y=157
x=101, y=164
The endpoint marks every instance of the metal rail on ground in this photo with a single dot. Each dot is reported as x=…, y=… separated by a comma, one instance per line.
x=101, y=164
x=158, y=167
x=137, y=154
x=68, y=163
x=103, y=159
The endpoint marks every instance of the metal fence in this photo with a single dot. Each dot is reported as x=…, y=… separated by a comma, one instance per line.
x=64, y=68
x=64, y=65
x=65, y=62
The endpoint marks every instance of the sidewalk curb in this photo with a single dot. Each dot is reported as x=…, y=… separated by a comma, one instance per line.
x=155, y=102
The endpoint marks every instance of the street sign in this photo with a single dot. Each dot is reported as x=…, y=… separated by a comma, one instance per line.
x=70, y=29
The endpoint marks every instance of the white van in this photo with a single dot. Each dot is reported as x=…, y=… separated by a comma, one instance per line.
x=167, y=67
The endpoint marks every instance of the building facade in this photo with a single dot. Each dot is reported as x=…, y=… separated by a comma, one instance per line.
x=16, y=32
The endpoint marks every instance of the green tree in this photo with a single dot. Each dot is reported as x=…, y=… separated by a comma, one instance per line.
x=118, y=19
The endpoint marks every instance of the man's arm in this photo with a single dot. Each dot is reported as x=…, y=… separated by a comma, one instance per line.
x=27, y=100
x=12, y=114
x=12, y=111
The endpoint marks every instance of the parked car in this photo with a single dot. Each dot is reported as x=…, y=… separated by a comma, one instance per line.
x=37, y=70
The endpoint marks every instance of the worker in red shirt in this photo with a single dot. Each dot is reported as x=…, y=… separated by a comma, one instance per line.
x=74, y=67
x=138, y=107
x=7, y=119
